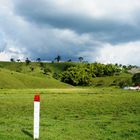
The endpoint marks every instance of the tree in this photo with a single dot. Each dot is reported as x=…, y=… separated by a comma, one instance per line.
x=38, y=59
x=47, y=71
x=12, y=60
x=18, y=60
x=32, y=68
x=130, y=67
x=58, y=58
x=83, y=74
x=27, y=61
x=42, y=65
x=77, y=76
x=69, y=60
x=80, y=59
x=136, y=79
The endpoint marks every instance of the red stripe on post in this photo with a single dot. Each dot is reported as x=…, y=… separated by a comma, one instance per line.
x=37, y=98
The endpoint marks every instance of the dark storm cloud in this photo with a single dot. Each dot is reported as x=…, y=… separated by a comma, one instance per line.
x=44, y=13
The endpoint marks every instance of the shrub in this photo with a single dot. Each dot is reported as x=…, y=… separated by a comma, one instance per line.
x=136, y=79
x=46, y=71
x=77, y=76
x=56, y=75
x=125, y=83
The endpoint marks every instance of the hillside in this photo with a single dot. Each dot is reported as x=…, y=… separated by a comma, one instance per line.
x=112, y=80
x=15, y=80
x=23, y=68
x=44, y=75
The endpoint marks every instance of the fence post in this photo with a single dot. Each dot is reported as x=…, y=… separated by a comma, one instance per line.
x=36, y=116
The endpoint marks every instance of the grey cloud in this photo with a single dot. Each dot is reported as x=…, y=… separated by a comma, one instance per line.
x=45, y=13
x=44, y=42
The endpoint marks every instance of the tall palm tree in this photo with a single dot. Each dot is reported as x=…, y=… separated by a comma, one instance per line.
x=58, y=58
x=80, y=59
x=18, y=60
x=38, y=59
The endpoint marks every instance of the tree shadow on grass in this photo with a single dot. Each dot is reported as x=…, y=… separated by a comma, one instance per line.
x=27, y=133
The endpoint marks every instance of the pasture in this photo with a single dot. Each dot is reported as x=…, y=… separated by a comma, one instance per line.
x=71, y=114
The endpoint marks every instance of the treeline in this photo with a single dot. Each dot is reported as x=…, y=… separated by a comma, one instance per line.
x=58, y=58
x=82, y=74
x=78, y=73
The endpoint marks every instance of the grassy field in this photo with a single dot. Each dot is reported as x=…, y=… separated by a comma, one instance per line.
x=71, y=114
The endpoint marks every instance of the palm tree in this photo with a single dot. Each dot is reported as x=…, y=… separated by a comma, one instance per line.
x=80, y=59
x=58, y=58
x=12, y=60
x=27, y=61
x=38, y=59
x=69, y=60
x=18, y=60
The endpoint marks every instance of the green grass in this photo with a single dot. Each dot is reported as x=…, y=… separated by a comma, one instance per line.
x=15, y=80
x=17, y=75
x=71, y=114
x=111, y=80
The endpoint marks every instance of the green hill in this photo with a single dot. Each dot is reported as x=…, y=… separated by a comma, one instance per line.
x=20, y=75
x=22, y=67
x=14, y=80
x=35, y=68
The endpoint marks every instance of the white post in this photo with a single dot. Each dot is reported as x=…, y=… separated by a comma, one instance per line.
x=36, y=116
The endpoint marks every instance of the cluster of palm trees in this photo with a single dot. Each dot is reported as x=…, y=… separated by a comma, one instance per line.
x=58, y=58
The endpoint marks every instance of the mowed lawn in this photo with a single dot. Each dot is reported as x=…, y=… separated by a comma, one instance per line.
x=71, y=114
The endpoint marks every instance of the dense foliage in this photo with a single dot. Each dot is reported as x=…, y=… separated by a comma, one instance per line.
x=83, y=74
x=77, y=76
x=136, y=79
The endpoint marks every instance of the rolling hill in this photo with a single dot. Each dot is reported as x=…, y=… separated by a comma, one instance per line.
x=14, y=80
x=19, y=75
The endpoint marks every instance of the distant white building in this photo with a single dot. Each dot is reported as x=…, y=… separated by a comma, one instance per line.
x=132, y=88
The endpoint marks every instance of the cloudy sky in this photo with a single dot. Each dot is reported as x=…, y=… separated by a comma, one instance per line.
x=98, y=30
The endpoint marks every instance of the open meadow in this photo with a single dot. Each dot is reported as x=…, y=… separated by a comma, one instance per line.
x=71, y=114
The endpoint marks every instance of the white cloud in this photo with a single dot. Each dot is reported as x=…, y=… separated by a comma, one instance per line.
x=6, y=56
x=128, y=53
x=10, y=50
x=11, y=53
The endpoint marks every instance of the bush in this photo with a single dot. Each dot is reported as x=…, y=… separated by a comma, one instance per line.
x=136, y=79
x=77, y=76
x=47, y=71
x=32, y=69
x=42, y=65
x=56, y=76
x=125, y=83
